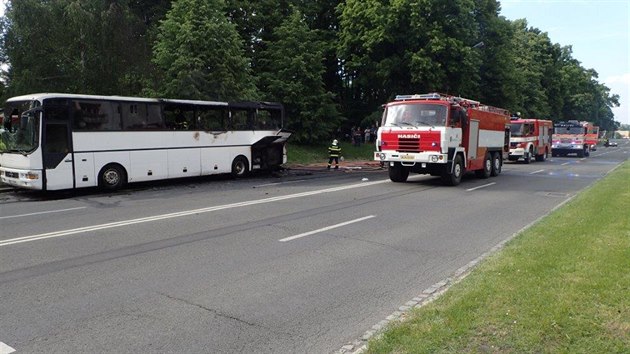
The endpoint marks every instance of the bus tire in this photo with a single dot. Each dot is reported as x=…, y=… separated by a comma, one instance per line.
x=496, y=164
x=453, y=179
x=112, y=177
x=240, y=167
x=487, y=167
x=398, y=172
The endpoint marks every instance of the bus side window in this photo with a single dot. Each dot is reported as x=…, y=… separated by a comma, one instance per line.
x=239, y=120
x=179, y=117
x=155, y=120
x=89, y=115
x=134, y=115
x=211, y=118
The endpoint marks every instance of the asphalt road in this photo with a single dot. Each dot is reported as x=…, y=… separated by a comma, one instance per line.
x=306, y=262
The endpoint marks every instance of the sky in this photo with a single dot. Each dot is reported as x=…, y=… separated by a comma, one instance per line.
x=598, y=32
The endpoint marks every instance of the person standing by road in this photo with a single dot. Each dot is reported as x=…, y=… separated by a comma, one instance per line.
x=334, y=151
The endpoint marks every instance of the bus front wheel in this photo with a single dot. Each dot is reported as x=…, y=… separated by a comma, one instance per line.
x=112, y=177
x=240, y=167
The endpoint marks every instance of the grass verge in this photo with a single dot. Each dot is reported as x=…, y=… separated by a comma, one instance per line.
x=562, y=286
x=305, y=154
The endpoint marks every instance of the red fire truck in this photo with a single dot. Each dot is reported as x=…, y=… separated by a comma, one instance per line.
x=569, y=138
x=592, y=134
x=442, y=135
x=530, y=138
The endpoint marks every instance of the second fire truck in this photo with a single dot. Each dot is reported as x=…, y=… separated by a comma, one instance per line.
x=530, y=138
x=442, y=135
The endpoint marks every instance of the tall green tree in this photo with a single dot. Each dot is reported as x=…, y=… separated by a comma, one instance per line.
x=201, y=54
x=71, y=45
x=407, y=46
x=291, y=72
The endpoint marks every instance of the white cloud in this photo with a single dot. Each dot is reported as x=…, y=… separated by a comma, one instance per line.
x=618, y=79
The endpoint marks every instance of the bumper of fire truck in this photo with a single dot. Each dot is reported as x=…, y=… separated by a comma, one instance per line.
x=30, y=179
x=516, y=154
x=566, y=148
x=411, y=158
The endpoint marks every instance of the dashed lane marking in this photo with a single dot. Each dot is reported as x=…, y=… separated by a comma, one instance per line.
x=326, y=228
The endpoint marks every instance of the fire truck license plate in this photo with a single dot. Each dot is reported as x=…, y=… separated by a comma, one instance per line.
x=406, y=157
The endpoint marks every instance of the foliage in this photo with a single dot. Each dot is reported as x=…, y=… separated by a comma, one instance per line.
x=291, y=72
x=201, y=55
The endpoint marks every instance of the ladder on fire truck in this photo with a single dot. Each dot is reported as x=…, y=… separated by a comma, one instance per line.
x=464, y=102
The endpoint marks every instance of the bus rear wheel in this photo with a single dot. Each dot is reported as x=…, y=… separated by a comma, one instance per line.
x=240, y=167
x=112, y=177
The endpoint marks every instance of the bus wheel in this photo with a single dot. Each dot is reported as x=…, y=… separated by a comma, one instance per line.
x=487, y=167
x=112, y=177
x=496, y=164
x=453, y=179
x=398, y=172
x=240, y=167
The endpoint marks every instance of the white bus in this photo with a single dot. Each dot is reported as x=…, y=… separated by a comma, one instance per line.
x=55, y=141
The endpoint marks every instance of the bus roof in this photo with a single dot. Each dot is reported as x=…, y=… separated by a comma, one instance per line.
x=43, y=96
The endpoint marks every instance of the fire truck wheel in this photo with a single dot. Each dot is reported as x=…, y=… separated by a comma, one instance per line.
x=542, y=157
x=528, y=156
x=580, y=153
x=487, y=167
x=496, y=164
x=398, y=172
x=453, y=179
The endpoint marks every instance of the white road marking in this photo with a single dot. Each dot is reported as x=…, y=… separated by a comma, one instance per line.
x=484, y=186
x=533, y=173
x=277, y=183
x=326, y=228
x=179, y=214
x=5, y=349
x=564, y=164
x=39, y=213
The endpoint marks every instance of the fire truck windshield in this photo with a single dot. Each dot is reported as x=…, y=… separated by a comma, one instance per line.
x=416, y=114
x=568, y=130
x=521, y=129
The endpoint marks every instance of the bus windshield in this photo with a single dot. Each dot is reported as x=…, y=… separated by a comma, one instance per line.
x=20, y=128
x=415, y=114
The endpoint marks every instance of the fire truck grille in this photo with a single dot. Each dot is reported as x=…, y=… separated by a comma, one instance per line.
x=409, y=145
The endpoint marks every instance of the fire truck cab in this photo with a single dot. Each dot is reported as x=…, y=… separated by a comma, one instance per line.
x=569, y=138
x=530, y=138
x=442, y=135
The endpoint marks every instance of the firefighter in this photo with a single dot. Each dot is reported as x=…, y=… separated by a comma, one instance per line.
x=334, y=151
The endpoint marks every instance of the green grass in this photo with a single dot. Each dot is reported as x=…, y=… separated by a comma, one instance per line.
x=305, y=154
x=562, y=286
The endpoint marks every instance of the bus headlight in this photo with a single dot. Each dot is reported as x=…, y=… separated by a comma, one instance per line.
x=31, y=175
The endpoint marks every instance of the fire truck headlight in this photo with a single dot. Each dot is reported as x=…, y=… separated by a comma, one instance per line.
x=383, y=156
x=434, y=158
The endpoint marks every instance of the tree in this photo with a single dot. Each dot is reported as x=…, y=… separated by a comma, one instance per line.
x=72, y=45
x=291, y=70
x=201, y=54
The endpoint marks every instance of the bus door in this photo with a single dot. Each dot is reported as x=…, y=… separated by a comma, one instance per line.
x=57, y=155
